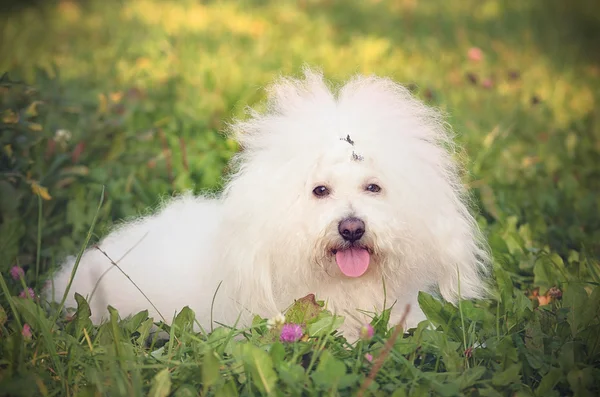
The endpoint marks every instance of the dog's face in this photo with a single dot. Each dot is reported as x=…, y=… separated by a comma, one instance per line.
x=347, y=214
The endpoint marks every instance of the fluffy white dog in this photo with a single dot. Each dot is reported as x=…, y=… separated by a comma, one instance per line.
x=335, y=192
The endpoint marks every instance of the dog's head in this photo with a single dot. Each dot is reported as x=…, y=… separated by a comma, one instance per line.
x=356, y=184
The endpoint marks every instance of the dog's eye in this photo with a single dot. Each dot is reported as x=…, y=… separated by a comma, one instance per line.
x=373, y=188
x=321, y=191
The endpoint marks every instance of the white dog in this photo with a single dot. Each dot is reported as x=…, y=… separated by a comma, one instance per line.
x=334, y=193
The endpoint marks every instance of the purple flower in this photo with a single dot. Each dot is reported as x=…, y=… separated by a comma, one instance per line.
x=17, y=272
x=26, y=332
x=27, y=293
x=369, y=357
x=290, y=333
x=366, y=332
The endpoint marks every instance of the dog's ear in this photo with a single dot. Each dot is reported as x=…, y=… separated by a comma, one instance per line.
x=287, y=99
x=288, y=94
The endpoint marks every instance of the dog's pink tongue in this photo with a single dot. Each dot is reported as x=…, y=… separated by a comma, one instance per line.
x=353, y=262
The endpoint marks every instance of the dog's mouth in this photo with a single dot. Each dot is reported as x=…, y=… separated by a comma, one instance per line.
x=353, y=261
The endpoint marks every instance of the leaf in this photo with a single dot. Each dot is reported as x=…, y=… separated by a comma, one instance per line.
x=505, y=286
x=41, y=191
x=277, y=353
x=470, y=376
x=185, y=391
x=581, y=381
x=547, y=272
x=439, y=342
x=133, y=323
x=441, y=313
x=325, y=325
x=83, y=309
x=291, y=373
x=432, y=308
x=184, y=321
x=575, y=298
x=210, y=370
x=304, y=310
x=260, y=366
x=405, y=346
x=31, y=110
x=329, y=372
x=592, y=308
x=37, y=127
x=509, y=376
x=161, y=384
x=228, y=390
x=82, y=316
x=3, y=316
x=144, y=331
x=220, y=339
x=548, y=382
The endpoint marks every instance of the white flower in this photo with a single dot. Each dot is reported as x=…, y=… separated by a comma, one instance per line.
x=62, y=136
x=276, y=321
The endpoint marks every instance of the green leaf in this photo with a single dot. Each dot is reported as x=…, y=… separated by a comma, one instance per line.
x=277, y=353
x=470, y=376
x=184, y=321
x=439, y=342
x=304, y=310
x=325, y=325
x=259, y=364
x=591, y=311
x=228, y=390
x=548, y=271
x=83, y=309
x=161, y=384
x=575, y=298
x=220, y=340
x=506, y=288
x=82, y=316
x=509, y=376
x=581, y=381
x=329, y=372
x=432, y=308
x=210, y=370
x=291, y=373
x=144, y=331
x=186, y=391
x=405, y=346
x=548, y=382
x=133, y=323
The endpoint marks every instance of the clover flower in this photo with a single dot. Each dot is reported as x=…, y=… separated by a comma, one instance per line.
x=27, y=293
x=291, y=333
x=17, y=272
x=26, y=332
x=366, y=332
x=276, y=321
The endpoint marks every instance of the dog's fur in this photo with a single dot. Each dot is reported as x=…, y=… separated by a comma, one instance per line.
x=270, y=240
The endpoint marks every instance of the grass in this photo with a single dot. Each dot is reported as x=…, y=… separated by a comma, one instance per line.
x=124, y=103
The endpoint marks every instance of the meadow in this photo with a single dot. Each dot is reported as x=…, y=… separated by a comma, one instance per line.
x=108, y=107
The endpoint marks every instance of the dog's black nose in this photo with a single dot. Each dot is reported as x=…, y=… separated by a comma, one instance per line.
x=351, y=229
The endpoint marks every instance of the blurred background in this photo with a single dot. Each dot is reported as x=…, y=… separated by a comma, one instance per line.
x=133, y=96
